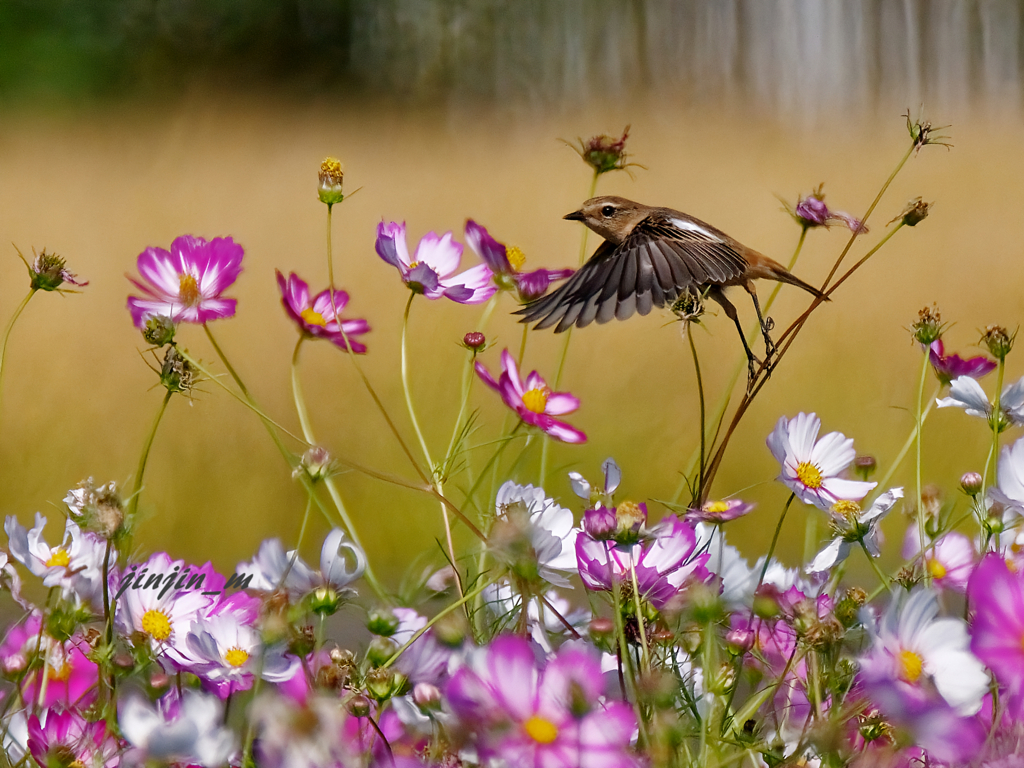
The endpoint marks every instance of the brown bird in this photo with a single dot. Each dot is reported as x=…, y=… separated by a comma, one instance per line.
x=649, y=258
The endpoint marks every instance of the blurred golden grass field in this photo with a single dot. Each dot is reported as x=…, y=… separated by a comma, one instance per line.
x=99, y=185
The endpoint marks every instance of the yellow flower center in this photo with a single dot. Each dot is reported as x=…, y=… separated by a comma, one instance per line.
x=61, y=672
x=536, y=400
x=312, y=317
x=935, y=569
x=156, y=624
x=60, y=557
x=911, y=666
x=809, y=474
x=716, y=507
x=540, y=730
x=76, y=764
x=847, y=509
x=236, y=657
x=188, y=290
x=515, y=257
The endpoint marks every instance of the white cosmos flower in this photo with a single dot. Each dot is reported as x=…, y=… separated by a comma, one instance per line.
x=75, y=565
x=188, y=730
x=1010, y=490
x=912, y=645
x=852, y=525
x=341, y=563
x=552, y=530
x=811, y=467
x=965, y=392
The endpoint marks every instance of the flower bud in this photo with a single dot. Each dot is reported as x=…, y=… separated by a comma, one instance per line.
x=159, y=330
x=474, y=341
x=865, y=466
x=380, y=650
x=451, y=629
x=929, y=325
x=915, y=212
x=331, y=677
x=765, y=605
x=972, y=483
x=98, y=509
x=848, y=606
x=342, y=657
x=740, y=640
x=159, y=681
x=303, y=641
x=359, y=706
x=331, y=177
x=316, y=464
x=382, y=684
x=324, y=601
x=600, y=523
x=998, y=340
x=601, y=627
x=426, y=697
x=382, y=622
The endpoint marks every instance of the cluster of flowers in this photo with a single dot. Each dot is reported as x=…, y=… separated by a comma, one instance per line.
x=687, y=653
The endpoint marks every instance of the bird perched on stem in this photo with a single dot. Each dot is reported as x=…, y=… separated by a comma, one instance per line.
x=651, y=256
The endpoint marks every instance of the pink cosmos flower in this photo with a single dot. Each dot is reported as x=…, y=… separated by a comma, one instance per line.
x=316, y=317
x=223, y=646
x=811, y=211
x=997, y=630
x=432, y=272
x=186, y=283
x=533, y=400
x=718, y=511
x=949, y=367
x=949, y=561
x=506, y=264
x=811, y=467
x=550, y=717
x=663, y=559
x=67, y=738
x=71, y=678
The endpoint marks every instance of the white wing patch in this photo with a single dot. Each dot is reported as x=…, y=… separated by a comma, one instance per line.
x=689, y=226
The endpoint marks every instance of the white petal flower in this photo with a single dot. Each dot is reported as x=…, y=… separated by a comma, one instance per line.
x=911, y=642
x=811, y=467
x=853, y=525
x=967, y=393
x=1010, y=490
x=189, y=731
x=552, y=530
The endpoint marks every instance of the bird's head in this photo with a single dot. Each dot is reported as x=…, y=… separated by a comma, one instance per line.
x=611, y=217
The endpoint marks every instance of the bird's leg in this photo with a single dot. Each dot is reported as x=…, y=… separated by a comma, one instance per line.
x=718, y=295
x=766, y=324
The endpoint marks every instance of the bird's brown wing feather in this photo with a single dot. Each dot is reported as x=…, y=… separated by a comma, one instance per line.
x=654, y=264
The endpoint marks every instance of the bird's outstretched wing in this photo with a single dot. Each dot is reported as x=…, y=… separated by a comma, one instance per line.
x=660, y=258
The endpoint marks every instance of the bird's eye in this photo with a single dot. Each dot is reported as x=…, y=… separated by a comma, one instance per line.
x=608, y=211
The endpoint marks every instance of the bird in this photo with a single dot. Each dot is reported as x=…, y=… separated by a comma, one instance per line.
x=650, y=256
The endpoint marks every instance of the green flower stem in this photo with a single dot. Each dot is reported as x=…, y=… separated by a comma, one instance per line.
x=458, y=603
x=646, y=663
x=332, y=488
x=997, y=420
x=874, y=566
x=435, y=481
x=133, y=504
x=911, y=438
x=358, y=366
x=775, y=540
x=563, y=355
x=920, y=421
x=741, y=364
x=699, y=484
x=10, y=327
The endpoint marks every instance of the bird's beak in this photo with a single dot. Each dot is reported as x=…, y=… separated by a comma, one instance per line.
x=574, y=216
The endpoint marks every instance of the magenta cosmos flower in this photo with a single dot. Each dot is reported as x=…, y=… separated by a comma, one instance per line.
x=949, y=367
x=811, y=467
x=186, y=283
x=432, y=272
x=67, y=738
x=506, y=263
x=316, y=317
x=541, y=718
x=996, y=594
x=663, y=559
x=533, y=400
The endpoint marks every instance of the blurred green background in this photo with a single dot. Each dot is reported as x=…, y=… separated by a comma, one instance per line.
x=124, y=124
